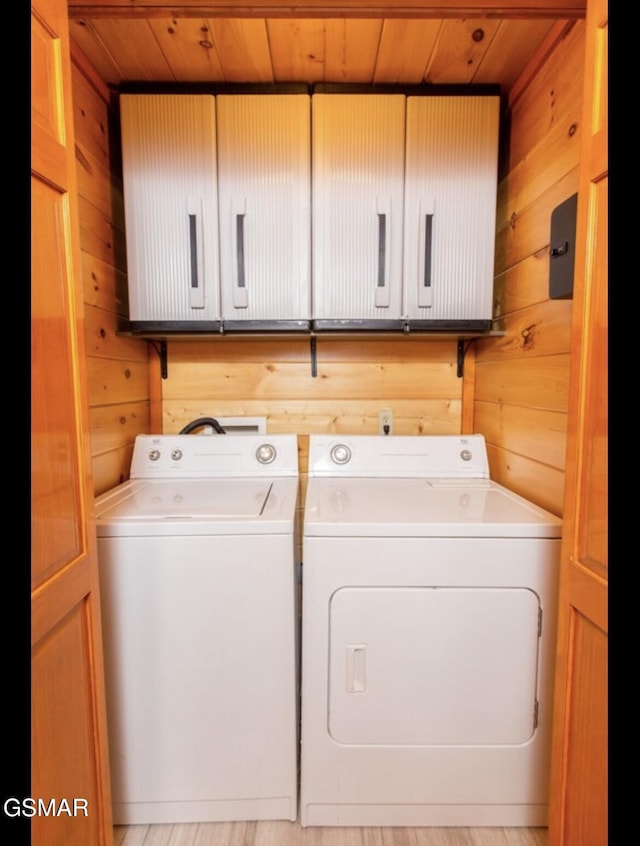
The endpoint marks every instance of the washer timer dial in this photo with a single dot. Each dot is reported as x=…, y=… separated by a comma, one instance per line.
x=266, y=453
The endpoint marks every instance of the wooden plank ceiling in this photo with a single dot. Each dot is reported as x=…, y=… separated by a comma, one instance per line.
x=313, y=41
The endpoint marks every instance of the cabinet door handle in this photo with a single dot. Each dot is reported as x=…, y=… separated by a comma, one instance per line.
x=425, y=255
x=237, y=236
x=356, y=668
x=382, y=282
x=196, y=288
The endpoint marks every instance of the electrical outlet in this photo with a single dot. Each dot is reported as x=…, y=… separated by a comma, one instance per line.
x=385, y=422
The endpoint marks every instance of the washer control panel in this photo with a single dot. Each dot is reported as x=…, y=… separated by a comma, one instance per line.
x=211, y=456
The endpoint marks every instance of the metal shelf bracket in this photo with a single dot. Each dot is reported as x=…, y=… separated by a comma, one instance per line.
x=162, y=355
x=463, y=348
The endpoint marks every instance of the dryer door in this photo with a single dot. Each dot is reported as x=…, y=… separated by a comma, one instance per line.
x=433, y=666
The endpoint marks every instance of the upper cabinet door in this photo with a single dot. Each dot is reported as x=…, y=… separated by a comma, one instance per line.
x=171, y=208
x=450, y=208
x=358, y=189
x=264, y=192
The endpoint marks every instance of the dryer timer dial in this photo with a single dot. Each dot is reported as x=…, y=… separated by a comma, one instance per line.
x=340, y=454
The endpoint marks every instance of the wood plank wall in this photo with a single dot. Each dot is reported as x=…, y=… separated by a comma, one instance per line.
x=117, y=368
x=521, y=380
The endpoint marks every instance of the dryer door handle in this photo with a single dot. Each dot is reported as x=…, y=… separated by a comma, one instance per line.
x=356, y=666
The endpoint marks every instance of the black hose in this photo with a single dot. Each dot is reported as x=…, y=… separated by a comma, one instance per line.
x=202, y=421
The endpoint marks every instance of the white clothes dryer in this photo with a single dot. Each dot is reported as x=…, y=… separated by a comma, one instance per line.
x=428, y=636
x=199, y=585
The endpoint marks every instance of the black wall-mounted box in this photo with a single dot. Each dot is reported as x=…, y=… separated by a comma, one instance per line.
x=562, y=252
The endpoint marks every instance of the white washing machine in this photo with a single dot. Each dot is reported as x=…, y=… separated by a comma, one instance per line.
x=199, y=587
x=428, y=635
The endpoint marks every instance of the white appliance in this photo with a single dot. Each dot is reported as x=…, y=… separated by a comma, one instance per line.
x=428, y=634
x=199, y=588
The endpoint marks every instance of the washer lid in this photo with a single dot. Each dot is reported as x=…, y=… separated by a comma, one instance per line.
x=422, y=508
x=212, y=499
x=197, y=506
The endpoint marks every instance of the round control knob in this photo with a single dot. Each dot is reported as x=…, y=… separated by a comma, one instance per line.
x=266, y=453
x=154, y=454
x=466, y=455
x=176, y=454
x=340, y=454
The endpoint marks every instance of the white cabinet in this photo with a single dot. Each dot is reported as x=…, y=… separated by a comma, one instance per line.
x=291, y=211
x=171, y=210
x=404, y=210
x=264, y=194
x=358, y=184
x=451, y=173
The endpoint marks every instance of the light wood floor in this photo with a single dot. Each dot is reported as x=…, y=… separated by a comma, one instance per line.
x=277, y=833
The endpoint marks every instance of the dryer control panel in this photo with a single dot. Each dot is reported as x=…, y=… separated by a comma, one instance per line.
x=404, y=456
